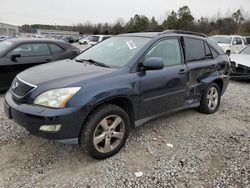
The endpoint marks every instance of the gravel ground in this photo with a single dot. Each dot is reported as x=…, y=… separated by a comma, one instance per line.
x=186, y=149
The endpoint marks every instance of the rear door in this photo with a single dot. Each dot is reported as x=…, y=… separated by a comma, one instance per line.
x=30, y=55
x=200, y=64
x=163, y=90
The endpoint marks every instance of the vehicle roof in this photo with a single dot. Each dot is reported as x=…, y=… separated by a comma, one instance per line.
x=154, y=34
x=226, y=36
x=142, y=34
x=102, y=35
x=31, y=40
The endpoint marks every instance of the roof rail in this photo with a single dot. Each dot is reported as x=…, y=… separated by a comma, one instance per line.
x=182, y=32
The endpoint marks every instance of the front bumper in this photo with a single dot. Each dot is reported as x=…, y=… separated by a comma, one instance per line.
x=32, y=117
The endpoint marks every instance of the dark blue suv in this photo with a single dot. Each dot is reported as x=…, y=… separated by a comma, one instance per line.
x=118, y=84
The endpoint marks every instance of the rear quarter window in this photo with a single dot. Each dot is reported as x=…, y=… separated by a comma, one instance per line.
x=55, y=49
x=214, y=46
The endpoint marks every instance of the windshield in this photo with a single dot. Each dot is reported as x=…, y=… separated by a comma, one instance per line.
x=246, y=51
x=4, y=45
x=114, y=52
x=224, y=40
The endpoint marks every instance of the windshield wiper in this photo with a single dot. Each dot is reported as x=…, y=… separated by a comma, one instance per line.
x=91, y=61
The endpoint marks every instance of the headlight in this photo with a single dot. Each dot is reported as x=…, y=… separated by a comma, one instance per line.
x=56, y=98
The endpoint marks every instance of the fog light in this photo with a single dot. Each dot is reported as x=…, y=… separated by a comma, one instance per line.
x=50, y=128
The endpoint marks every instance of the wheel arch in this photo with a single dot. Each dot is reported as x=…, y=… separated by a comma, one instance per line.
x=123, y=102
x=220, y=83
x=214, y=79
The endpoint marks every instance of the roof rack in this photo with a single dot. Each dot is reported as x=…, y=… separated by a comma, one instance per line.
x=183, y=32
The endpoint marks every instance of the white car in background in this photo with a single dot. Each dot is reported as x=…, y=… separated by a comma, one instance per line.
x=84, y=40
x=94, y=39
x=230, y=44
x=240, y=64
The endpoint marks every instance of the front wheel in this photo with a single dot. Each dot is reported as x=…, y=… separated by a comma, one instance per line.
x=210, y=101
x=105, y=131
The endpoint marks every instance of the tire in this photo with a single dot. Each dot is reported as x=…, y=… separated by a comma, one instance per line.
x=207, y=106
x=103, y=126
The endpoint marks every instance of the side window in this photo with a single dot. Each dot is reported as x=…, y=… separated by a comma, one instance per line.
x=94, y=39
x=168, y=50
x=28, y=50
x=239, y=41
x=244, y=40
x=214, y=53
x=208, y=52
x=55, y=49
x=234, y=41
x=195, y=50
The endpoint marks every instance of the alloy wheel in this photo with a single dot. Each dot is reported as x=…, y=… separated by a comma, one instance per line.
x=212, y=98
x=109, y=133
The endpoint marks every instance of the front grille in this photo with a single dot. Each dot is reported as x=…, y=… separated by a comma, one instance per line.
x=21, y=88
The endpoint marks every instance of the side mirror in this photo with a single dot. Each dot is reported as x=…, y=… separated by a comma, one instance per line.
x=152, y=63
x=14, y=56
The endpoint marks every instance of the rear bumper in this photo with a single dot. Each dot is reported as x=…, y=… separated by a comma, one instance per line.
x=32, y=117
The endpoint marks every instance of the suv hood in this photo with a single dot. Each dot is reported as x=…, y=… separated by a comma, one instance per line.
x=63, y=72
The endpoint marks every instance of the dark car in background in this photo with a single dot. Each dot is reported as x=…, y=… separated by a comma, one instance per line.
x=68, y=39
x=118, y=84
x=17, y=55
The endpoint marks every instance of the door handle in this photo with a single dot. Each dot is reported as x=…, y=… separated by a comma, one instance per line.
x=48, y=60
x=182, y=71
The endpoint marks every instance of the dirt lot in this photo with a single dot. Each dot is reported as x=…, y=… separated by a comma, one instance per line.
x=208, y=151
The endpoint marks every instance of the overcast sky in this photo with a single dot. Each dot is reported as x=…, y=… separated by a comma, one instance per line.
x=70, y=12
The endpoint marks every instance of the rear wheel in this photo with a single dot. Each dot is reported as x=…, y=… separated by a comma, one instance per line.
x=105, y=131
x=210, y=101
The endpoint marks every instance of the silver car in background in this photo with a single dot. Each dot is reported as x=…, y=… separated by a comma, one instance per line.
x=240, y=64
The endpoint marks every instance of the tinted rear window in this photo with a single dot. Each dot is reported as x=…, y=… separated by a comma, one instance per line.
x=194, y=49
x=94, y=38
x=55, y=49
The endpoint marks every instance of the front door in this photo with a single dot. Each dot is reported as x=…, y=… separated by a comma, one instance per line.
x=163, y=90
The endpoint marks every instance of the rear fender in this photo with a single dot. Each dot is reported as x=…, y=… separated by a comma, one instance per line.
x=213, y=78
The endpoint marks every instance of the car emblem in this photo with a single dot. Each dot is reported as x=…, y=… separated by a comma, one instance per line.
x=15, y=85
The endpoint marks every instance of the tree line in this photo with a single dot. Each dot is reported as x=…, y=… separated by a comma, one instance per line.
x=182, y=19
